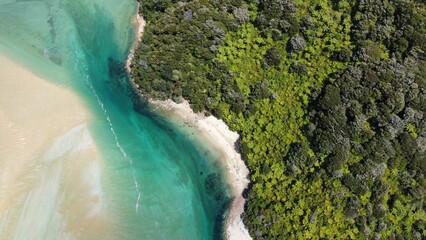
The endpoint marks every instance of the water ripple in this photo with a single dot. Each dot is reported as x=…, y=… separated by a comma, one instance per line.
x=117, y=142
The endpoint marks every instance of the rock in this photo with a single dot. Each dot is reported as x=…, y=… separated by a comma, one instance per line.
x=297, y=43
x=188, y=15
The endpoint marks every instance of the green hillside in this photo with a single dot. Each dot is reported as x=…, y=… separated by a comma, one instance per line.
x=329, y=98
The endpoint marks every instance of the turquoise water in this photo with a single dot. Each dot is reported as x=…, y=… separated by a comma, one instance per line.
x=153, y=178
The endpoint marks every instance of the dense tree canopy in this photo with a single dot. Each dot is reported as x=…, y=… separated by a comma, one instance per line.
x=329, y=98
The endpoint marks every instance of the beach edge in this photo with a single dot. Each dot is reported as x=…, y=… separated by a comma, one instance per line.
x=215, y=132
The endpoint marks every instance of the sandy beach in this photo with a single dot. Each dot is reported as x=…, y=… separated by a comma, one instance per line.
x=139, y=24
x=50, y=166
x=217, y=134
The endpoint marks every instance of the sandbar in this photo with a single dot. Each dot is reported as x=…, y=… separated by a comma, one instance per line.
x=50, y=185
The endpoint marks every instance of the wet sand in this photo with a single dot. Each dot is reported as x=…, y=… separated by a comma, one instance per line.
x=50, y=181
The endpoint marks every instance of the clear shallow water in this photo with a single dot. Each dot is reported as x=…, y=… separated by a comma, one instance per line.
x=151, y=177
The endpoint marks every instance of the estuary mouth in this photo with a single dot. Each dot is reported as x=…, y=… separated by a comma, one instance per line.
x=76, y=160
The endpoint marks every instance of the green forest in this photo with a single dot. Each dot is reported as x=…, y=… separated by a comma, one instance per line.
x=329, y=99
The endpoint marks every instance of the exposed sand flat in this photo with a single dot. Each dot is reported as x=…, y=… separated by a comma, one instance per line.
x=49, y=164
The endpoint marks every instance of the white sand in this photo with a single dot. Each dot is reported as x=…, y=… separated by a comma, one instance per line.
x=217, y=134
x=139, y=24
x=49, y=164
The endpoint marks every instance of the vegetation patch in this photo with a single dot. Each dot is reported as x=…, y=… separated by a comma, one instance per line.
x=329, y=98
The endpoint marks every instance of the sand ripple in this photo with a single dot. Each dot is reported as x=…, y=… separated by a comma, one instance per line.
x=50, y=177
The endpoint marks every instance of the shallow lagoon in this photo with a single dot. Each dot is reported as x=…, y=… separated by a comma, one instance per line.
x=116, y=173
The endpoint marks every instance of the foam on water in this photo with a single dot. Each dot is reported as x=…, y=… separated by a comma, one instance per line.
x=117, y=174
x=123, y=152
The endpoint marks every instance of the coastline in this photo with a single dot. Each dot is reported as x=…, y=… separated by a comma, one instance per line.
x=139, y=23
x=216, y=133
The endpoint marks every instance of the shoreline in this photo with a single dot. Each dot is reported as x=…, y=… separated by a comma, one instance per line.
x=216, y=133
x=46, y=146
x=139, y=22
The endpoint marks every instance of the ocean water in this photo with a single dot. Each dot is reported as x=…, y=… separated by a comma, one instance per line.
x=150, y=181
